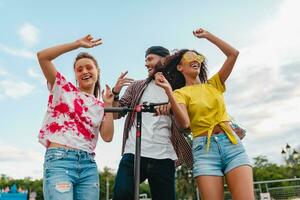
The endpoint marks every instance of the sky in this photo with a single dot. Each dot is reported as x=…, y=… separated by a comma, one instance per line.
x=263, y=91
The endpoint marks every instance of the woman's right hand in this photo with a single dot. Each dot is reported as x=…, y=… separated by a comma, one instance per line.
x=88, y=42
x=161, y=81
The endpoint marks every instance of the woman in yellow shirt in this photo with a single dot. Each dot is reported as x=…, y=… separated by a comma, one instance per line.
x=198, y=104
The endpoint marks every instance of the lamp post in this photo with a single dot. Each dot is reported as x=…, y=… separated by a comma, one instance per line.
x=290, y=156
x=107, y=188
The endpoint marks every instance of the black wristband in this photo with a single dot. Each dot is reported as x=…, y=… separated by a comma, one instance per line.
x=116, y=97
x=115, y=93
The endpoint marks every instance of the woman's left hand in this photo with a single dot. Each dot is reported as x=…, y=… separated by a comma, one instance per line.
x=107, y=96
x=201, y=33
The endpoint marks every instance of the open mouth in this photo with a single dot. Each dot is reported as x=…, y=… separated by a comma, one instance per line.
x=195, y=65
x=86, y=77
x=150, y=69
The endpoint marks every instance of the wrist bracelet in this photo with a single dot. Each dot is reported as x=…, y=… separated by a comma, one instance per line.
x=116, y=98
x=115, y=93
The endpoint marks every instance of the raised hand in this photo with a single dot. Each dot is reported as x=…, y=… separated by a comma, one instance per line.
x=121, y=82
x=161, y=81
x=89, y=42
x=201, y=33
x=107, y=96
x=230, y=52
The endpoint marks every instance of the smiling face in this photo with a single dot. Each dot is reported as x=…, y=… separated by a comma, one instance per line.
x=86, y=74
x=151, y=62
x=190, y=64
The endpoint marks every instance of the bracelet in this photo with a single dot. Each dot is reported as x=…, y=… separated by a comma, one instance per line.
x=116, y=97
x=115, y=93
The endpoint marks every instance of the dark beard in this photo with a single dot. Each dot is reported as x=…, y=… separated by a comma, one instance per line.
x=159, y=67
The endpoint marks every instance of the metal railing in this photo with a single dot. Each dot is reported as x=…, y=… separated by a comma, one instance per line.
x=282, y=189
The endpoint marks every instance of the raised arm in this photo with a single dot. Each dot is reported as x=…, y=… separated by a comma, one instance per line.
x=46, y=56
x=230, y=52
x=179, y=110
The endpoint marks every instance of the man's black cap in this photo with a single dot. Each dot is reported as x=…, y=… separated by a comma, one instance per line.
x=157, y=50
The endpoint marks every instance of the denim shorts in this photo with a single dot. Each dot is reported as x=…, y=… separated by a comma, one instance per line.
x=70, y=174
x=221, y=157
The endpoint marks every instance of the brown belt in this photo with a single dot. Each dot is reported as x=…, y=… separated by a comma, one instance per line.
x=217, y=130
x=214, y=133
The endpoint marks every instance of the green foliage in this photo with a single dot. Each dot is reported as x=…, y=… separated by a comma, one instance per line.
x=264, y=170
x=26, y=184
x=144, y=189
x=185, y=184
x=107, y=178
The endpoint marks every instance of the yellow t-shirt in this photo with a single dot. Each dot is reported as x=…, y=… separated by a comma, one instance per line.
x=206, y=107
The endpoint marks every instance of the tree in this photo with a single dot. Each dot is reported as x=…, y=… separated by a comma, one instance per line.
x=107, y=179
x=26, y=184
x=185, y=184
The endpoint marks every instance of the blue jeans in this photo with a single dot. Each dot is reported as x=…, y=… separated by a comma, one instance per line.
x=222, y=156
x=70, y=174
x=159, y=172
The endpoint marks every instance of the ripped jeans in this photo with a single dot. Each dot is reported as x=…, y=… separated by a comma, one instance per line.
x=70, y=174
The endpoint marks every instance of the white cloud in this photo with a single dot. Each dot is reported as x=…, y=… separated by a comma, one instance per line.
x=18, y=52
x=32, y=72
x=14, y=89
x=11, y=153
x=264, y=90
x=3, y=72
x=29, y=34
x=19, y=163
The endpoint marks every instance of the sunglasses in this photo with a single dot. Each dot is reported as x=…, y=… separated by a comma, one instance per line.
x=190, y=57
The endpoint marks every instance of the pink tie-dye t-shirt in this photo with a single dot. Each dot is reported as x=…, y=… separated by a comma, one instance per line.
x=73, y=117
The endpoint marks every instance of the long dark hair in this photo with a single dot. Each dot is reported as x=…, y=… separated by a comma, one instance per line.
x=89, y=56
x=175, y=77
